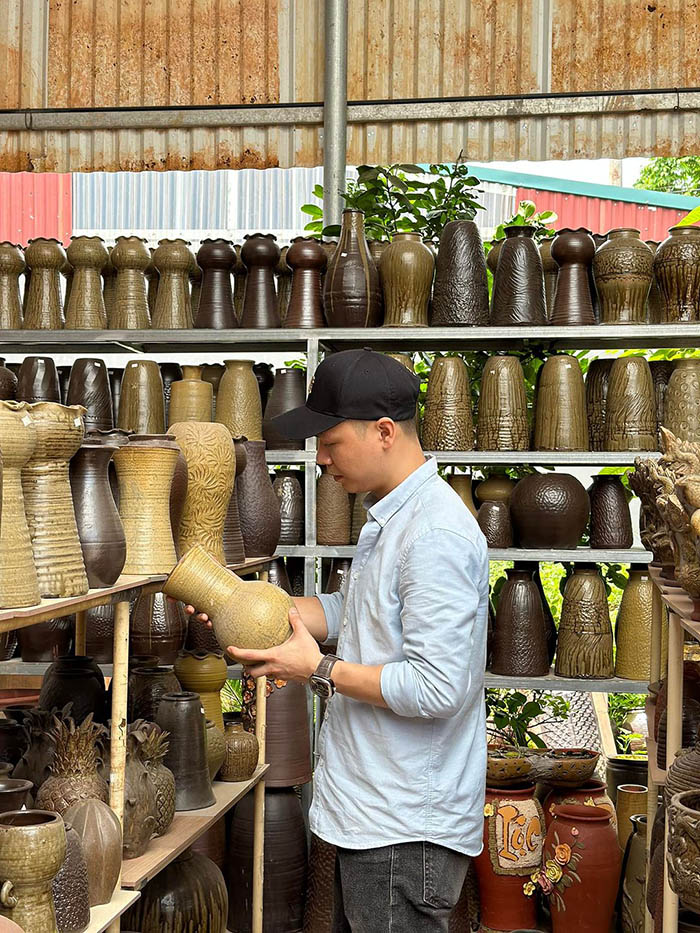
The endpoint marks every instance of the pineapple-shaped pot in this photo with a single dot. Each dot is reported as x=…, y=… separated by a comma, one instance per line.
x=154, y=749
x=35, y=763
x=140, y=806
x=74, y=774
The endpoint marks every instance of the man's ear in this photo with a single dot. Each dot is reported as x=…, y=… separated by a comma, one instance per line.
x=387, y=431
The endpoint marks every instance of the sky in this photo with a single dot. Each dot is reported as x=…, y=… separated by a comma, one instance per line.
x=597, y=171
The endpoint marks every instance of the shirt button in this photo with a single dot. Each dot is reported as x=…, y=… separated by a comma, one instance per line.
x=355, y=575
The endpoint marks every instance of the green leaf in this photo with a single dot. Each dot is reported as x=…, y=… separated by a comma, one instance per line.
x=318, y=191
x=313, y=210
x=546, y=215
x=409, y=169
x=691, y=218
x=332, y=230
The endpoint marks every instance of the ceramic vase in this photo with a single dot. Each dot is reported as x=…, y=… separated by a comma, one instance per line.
x=655, y=303
x=43, y=309
x=130, y=259
x=147, y=687
x=631, y=800
x=158, y=626
x=623, y=270
x=677, y=273
x=152, y=277
x=307, y=260
x=585, y=643
x=288, y=391
x=258, y=506
x=461, y=293
x=561, y=421
x=288, y=490
x=70, y=888
x=591, y=794
x=204, y=673
x=260, y=254
x=240, y=277
x=89, y=386
x=549, y=511
x=632, y=889
x=682, y=401
x=534, y=568
x=630, y=420
x=611, y=523
x=333, y=512
x=447, y=421
x=140, y=806
x=597, y=382
x=37, y=380
x=191, y=399
x=551, y=274
x=242, y=753
x=216, y=258
x=633, y=628
x=518, y=285
x=99, y=633
x=141, y=406
x=351, y=291
x=8, y=380
x=287, y=737
x=283, y=280
x=100, y=835
x=520, y=637
x=494, y=521
x=238, y=403
x=216, y=748
x=11, y=267
x=85, y=308
x=497, y=488
x=462, y=485
x=406, y=270
x=172, y=306
x=502, y=423
x=75, y=679
x=661, y=372
x=74, y=769
x=181, y=715
x=573, y=251
x=233, y=539
x=109, y=285
x=45, y=641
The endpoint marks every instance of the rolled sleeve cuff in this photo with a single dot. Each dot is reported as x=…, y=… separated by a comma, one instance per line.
x=332, y=604
x=398, y=689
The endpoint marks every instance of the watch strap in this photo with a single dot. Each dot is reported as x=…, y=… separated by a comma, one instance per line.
x=325, y=666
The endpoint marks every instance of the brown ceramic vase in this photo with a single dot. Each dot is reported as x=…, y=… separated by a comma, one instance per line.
x=585, y=642
x=172, y=306
x=597, y=382
x=518, y=286
x=502, y=423
x=130, y=258
x=623, y=270
x=43, y=309
x=406, y=269
x=333, y=512
x=307, y=260
x=260, y=255
x=561, y=420
x=447, y=421
x=461, y=293
x=216, y=258
x=630, y=419
x=11, y=267
x=238, y=403
x=258, y=506
x=141, y=405
x=85, y=308
x=288, y=391
x=611, y=523
x=351, y=292
x=677, y=273
x=573, y=251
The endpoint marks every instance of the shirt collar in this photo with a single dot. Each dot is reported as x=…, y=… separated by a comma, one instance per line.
x=381, y=510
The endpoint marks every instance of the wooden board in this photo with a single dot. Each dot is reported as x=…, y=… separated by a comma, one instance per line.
x=658, y=775
x=104, y=914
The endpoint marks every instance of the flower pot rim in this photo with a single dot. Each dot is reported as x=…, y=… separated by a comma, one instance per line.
x=582, y=813
x=14, y=784
x=28, y=818
x=180, y=696
x=153, y=669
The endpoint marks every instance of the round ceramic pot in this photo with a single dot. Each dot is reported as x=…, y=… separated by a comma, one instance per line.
x=549, y=510
x=216, y=258
x=242, y=752
x=100, y=834
x=502, y=423
x=494, y=521
x=260, y=255
x=630, y=422
x=623, y=271
x=8, y=380
x=181, y=715
x=683, y=845
x=561, y=421
x=591, y=794
x=677, y=273
x=238, y=403
x=585, y=642
x=497, y=488
x=307, y=260
x=461, y=292
x=447, y=421
x=518, y=285
x=351, y=291
x=204, y=673
x=85, y=307
x=573, y=251
x=611, y=523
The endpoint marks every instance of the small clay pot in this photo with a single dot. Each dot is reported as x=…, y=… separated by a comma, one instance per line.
x=241, y=758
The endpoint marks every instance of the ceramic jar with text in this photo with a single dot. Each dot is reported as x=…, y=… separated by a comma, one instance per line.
x=561, y=421
x=461, y=291
x=447, y=421
x=260, y=254
x=307, y=260
x=623, y=270
x=677, y=273
x=11, y=266
x=216, y=258
x=573, y=251
x=518, y=285
x=585, y=642
x=43, y=308
x=130, y=258
x=351, y=292
x=502, y=423
x=406, y=268
x=238, y=403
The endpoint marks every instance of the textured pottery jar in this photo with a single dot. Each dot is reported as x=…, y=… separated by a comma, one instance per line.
x=216, y=258
x=684, y=771
x=573, y=251
x=630, y=420
x=191, y=399
x=333, y=512
x=661, y=372
x=462, y=485
x=551, y=273
x=11, y=267
x=74, y=769
x=406, y=271
x=157, y=626
x=139, y=799
x=247, y=615
x=129, y=306
x=549, y=511
x=683, y=846
x=289, y=391
x=447, y=421
x=534, y=568
x=585, y=641
x=260, y=255
x=70, y=888
x=583, y=839
x=154, y=748
x=518, y=285
x=43, y=309
x=631, y=800
x=100, y=833
x=242, y=752
x=181, y=715
x=141, y=405
x=597, y=382
x=37, y=380
x=32, y=850
x=677, y=273
x=494, y=521
x=682, y=401
x=75, y=679
x=561, y=421
x=19, y=584
x=85, y=308
x=623, y=271
x=461, y=291
x=258, y=506
x=45, y=641
x=633, y=627
x=287, y=737
x=238, y=403
x=147, y=687
x=307, y=260
x=216, y=748
x=502, y=423
x=172, y=306
x=519, y=645
x=89, y=386
x=233, y=539
x=351, y=291
x=48, y=502
x=8, y=380
x=591, y=794
x=205, y=673
x=145, y=476
x=288, y=490
x=611, y=523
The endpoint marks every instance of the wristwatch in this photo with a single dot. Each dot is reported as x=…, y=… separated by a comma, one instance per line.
x=320, y=681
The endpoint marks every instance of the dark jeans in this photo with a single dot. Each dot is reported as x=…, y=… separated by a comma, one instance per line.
x=397, y=889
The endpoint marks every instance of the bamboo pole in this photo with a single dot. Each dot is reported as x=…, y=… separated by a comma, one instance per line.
x=120, y=679
x=80, y=633
x=674, y=711
x=655, y=675
x=259, y=807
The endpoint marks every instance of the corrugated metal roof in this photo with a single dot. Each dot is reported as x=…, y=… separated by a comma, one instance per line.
x=33, y=205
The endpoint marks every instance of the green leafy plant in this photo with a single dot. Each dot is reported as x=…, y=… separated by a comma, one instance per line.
x=680, y=176
x=512, y=714
x=527, y=215
x=619, y=707
x=231, y=697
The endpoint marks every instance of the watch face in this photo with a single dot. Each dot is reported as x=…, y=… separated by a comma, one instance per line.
x=321, y=686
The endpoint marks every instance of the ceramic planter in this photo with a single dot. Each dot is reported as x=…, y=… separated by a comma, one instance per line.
x=677, y=273
x=631, y=800
x=573, y=251
x=288, y=391
x=141, y=405
x=592, y=793
x=351, y=292
x=549, y=510
x=597, y=381
x=191, y=399
x=43, y=309
x=70, y=888
x=258, y=506
x=585, y=643
x=333, y=512
x=129, y=302
x=682, y=401
x=307, y=260
x=623, y=271
x=238, y=404
x=157, y=627
x=242, y=753
x=561, y=421
x=288, y=490
x=89, y=386
x=260, y=255
x=287, y=738
x=205, y=673
x=447, y=421
x=74, y=773
x=518, y=285
x=181, y=715
x=519, y=645
x=502, y=423
x=611, y=523
x=37, y=380
x=406, y=270
x=85, y=308
x=11, y=267
x=172, y=308
x=630, y=421
x=461, y=292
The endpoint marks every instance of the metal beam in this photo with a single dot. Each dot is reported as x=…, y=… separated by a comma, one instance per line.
x=335, y=109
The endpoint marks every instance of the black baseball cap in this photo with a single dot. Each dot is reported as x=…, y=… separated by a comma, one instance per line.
x=358, y=385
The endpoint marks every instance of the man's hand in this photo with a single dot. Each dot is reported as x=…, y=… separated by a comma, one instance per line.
x=295, y=659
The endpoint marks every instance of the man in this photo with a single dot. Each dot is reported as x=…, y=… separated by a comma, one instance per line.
x=399, y=783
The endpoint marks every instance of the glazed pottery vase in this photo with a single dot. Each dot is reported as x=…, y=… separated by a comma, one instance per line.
x=461, y=292
x=13, y=741
x=205, y=673
x=581, y=845
x=630, y=420
x=502, y=423
x=32, y=850
x=597, y=381
x=561, y=421
x=283, y=277
x=585, y=641
x=70, y=888
x=284, y=864
x=591, y=794
x=242, y=753
x=376, y=251
x=277, y=574
x=633, y=886
x=216, y=258
x=238, y=403
x=181, y=715
x=682, y=401
x=19, y=584
x=534, y=568
x=109, y=285
x=462, y=485
x=172, y=306
x=191, y=399
x=661, y=372
x=624, y=770
x=158, y=626
x=45, y=641
x=140, y=807
x=287, y=739
x=333, y=512
x=8, y=380
x=141, y=405
x=351, y=291
x=189, y=892
x=233, y=539
x=573, y=251
x=154, y=748
x=11, y=267
x=100, y=528
x=247, y=615
x=151, y=274
x=289, y=391
x=497, y=488
x=260, y=254
x=74, y=772
x=683, y=846
x=519, y=646
x=129, y=306
x=216, y=748
x=43, y=309
x=551, y=274
x=75, y=679
x=115, y=386
x=170, y=373
x=513, y=840
x=447, y=421
x=85, y=308
x=549, y=511
x=89, y=386
x=494, y=521
x=99, y=634
x=288, y=490
x=677, y=273
x=307, y=260
x=518, y=284
x=631, y=800
x=213, y=373
x=240, y=277
x=148, y=684
x=13, y=792
x=633, y=627
x=406, y=270
x=258, y=506
x=611, y=523
x=48, y=502
x=623, y=271
x=37, y=380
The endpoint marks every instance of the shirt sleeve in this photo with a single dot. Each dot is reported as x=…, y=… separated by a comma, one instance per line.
x=332, y=604
x=444, y=634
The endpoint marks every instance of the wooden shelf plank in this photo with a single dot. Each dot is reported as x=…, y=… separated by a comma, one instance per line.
x=495, y=457
x=185, y=829
x=581, y=554
x=658, y=775
x=568, y=684
x=103, y=915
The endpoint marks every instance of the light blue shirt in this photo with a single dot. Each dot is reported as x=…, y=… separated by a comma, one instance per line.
x=416, y=602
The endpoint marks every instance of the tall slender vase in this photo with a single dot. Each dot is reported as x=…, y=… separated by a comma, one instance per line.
x=11, y=267
x=238, y=404
x=461, y=291
x=130, y=258
x=216, y=258
x=623, y=270
x=307, y=260
x=573, y=251
x=630, y=421
x=191, y=399
x=43, y=311
x=677, y=273
x=518, y=285
x=85, y=308
x=597, y=382
x=288, y=391
x=561, y=421
x=447, y=422
x=520, y=636
x=352, y=295
x=634, y=880
x=260, y=254
x=333, y=512
x=585, y=645
x=141, y=405
x=682, y=402
x=89, y=386
x=633, y=627
x=502, y=423
x=181, y=715
x=407, y=268
x=258, y=506
x=172, y=308
x=233, y=539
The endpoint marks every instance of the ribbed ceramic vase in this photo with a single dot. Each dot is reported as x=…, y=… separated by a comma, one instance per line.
x=682, y=401
x=130, y=259
x=351, y=291
x=461, y=292
x=630, y=419
x=502, y=423
x=181, y=715
x=145, y=476
x=11, y=267
x=633, y=627
x=43, y=309
x=597, y=382
x=204, y=673
x=191, y=399
x=447, y=420
x=89, y=386
x=238, y=403
x=172, y=306
x=561, y=420
x=333, y=512
x=611, y=523
x=216, y=258
x=260, y=254
x=623, y=271
x=308, y=261
x=85, y=308
x=519, y=635
x=233, y=539
x=518, y=285
x=287, y=488
x=573, y=251
x=585, y=644
x=288, y=391
x=141, y=405
x=258, y=506
x=406, y=270
x=631, y=799
x=158, y=626
x=677, y=273
x=37, y=380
